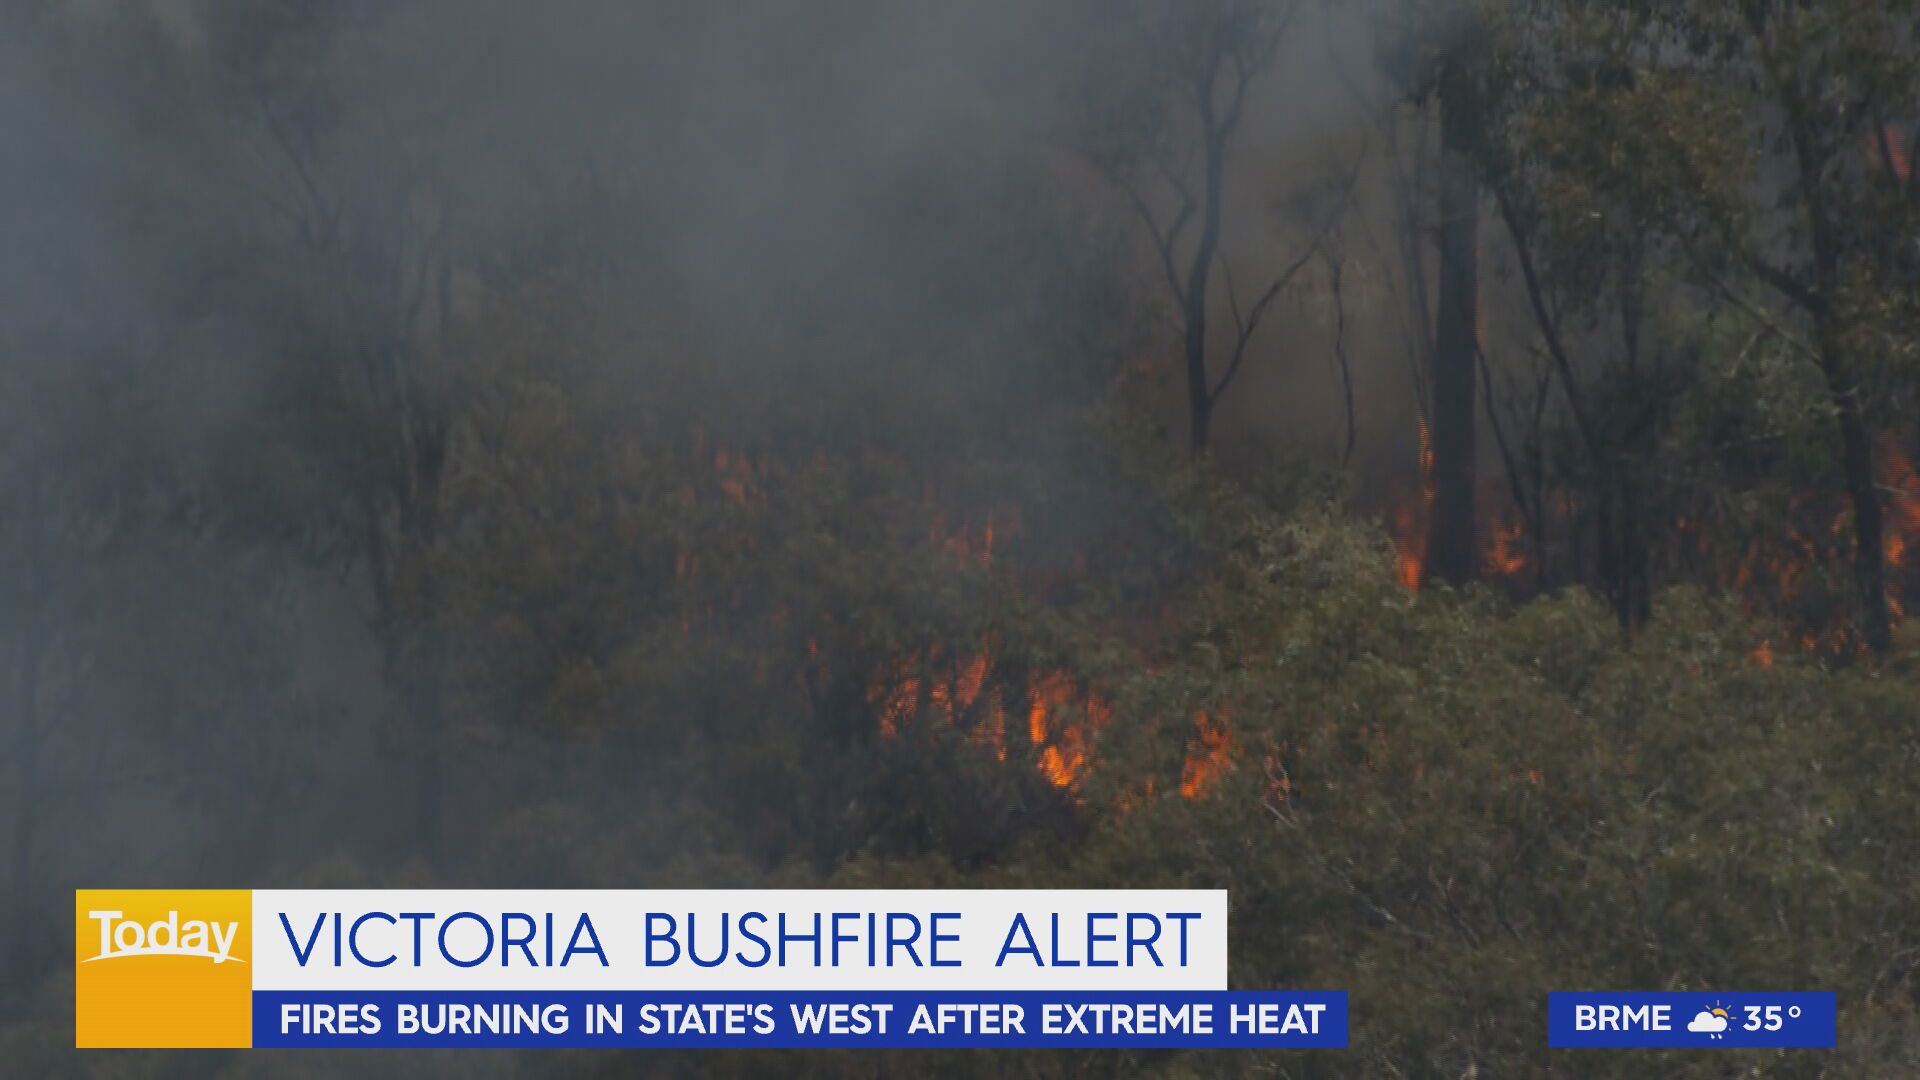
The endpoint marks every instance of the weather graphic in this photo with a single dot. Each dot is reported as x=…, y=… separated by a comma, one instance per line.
x=1711, y=1022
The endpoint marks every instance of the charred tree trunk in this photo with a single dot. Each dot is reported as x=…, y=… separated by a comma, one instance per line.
x=1811, y=158
x=1199, y=405
x=1450, y=525
x=1869, y=543
x=1622, y=544
x=1843, y=386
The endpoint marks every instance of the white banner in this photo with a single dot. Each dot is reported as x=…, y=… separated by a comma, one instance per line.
x=723, y=939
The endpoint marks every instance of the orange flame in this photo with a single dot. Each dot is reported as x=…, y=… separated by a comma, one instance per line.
x=1410, y=552
x=1060, y=716
x=1505, y=555
x=1902, y=481
x=1061, y=762
x=1426, y=461
x=1409, y=537
x=1208, y=755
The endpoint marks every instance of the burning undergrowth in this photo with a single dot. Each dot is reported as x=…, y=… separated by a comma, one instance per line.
x=972, y=628
x=1787, y=554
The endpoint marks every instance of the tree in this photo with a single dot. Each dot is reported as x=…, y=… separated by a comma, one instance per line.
x=1438, y=56
x=1831, y=79
x=1741, y=152
x=371, y=236
x=1166, y=138
x=1589, y=258
x=1451, y=551
x=136, y=637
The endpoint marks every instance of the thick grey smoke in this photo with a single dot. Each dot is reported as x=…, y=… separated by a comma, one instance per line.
x=846, y=221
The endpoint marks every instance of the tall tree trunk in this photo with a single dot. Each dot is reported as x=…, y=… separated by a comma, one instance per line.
x=1843, y=382
x=1869, y=543
x=1199, y=405
x=1629, y=580
x=1843, y=386
x=1450, y=523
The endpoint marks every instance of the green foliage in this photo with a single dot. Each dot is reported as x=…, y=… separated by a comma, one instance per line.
x=1450, y=810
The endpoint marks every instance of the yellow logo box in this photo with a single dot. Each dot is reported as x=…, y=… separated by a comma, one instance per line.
x=163, y=968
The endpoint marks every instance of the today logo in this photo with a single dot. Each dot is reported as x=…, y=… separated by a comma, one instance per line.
x=121, y=936
x=162, y=967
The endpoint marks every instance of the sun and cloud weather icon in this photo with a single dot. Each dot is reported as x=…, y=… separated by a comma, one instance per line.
x=1711, y=1022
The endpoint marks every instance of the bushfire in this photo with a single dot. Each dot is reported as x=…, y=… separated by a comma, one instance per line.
x=1058, y=715
x=1062, y=714
x=971, y=689
x=1796, y=571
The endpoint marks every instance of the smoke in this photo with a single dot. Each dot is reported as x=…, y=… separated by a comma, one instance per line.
x=766, y=225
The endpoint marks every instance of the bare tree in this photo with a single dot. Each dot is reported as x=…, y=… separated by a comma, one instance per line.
x=1165, y=143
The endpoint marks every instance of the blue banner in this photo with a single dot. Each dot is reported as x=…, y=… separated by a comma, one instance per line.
x=741, y=1019
x=1706, y=1021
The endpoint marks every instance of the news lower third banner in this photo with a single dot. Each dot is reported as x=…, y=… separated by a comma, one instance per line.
x=673, y=968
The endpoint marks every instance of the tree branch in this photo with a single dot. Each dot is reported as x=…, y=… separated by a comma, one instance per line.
x=1244, y=331
x=1785, y=283
x=1335, y=268
x=1549, y=326
x=1163, y=239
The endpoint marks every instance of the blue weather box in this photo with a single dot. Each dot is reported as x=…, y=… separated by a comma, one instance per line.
x=1689, y=1019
